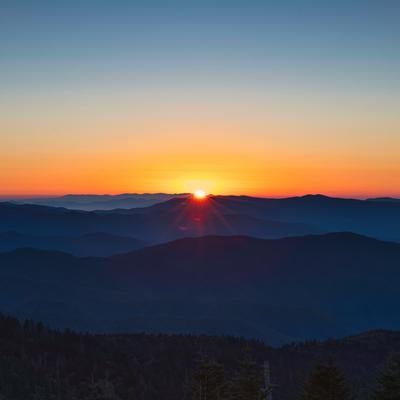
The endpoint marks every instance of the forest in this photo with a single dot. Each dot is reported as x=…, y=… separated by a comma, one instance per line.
x=44, y=364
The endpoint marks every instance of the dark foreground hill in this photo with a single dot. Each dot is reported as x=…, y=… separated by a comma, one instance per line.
x=276, y=290
x=37, y=363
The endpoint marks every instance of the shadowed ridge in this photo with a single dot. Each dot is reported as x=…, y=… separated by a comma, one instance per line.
x=89, y=244
x=294, y=288
x=40, y=208
x=37, y=253
x=348, y=238
x=375, y=336
x=90, y=202
x=214, y=241
x=168, y=204
x=215, y=215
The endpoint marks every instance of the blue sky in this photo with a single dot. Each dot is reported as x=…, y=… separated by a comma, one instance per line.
x=286, y=73
x=310, y=37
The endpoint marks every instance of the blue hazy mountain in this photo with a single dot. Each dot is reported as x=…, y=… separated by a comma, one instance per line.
x=90, y=202
x=218, y=215
x=380, y=219
x=177, y=218
x=90, y=244
x=387, y=199
x=377, y=219
x=278, y=290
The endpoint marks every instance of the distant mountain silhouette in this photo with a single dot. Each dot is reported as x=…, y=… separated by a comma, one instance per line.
x=217, y=215
x=91, y=244
x=387, y=199
x=380, y=219
x=90, y=202
x=278, y=290
x=176, y=218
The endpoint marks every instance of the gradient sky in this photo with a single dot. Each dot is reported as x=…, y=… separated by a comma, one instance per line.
x=268, y=98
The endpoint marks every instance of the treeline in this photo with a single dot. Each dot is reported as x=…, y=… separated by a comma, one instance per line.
x=210, y=381
x=44, y=364
x=325, y=382
x=37, y=363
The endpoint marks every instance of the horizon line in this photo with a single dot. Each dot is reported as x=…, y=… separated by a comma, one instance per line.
x=266, y=196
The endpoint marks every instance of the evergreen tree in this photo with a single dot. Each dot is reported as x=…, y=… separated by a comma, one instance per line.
x=209, y=381
x=389, y=382
x=247, y=383
x=326, y=382
x=101, y=389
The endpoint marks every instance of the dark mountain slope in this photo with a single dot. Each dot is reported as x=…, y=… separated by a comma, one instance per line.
x=179, y=218
x=279, y=290
x=371, y=218
x=380, y=219
x=91, y=244
x=217, y=215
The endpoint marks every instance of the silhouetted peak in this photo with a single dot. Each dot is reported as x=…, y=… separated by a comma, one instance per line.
x=316, y=196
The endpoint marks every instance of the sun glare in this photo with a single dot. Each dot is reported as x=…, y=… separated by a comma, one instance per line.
x=199, y=194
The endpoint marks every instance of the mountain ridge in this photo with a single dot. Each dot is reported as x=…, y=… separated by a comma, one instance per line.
x=281, y=290
x=153, y=224
x=94, y=243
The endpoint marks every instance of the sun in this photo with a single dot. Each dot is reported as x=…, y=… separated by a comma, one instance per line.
x=199, y=194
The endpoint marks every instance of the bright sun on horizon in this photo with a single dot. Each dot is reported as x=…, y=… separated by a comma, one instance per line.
x=199, y=194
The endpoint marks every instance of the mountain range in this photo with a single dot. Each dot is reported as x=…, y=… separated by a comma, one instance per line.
x=90, y=244
x=90, y=202
x=176, y=218
x=282, y=290
x=217, y=215
x=276, y=269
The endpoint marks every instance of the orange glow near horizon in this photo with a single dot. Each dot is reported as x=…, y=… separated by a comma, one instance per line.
x=245, y=100
x=215, y=175
x=219, y=163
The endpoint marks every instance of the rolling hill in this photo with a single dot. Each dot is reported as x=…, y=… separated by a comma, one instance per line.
x=90, y=202
x=380, y=219
x=174, y=219
x=217, y=215
x=90, y=244
x=279, y=290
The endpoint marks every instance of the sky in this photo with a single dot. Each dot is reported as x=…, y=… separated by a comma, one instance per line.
x=268, y=98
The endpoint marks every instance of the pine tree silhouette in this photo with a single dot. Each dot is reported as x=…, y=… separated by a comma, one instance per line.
x=388, y=387
x=248, y=382
x=209, y=380
x=326, y=382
